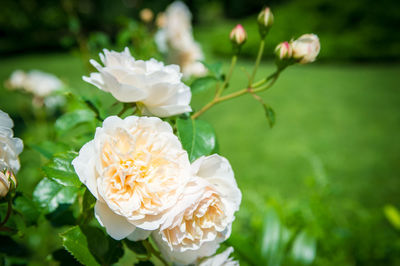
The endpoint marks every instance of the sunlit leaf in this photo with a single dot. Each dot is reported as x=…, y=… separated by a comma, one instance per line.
x=72, y=119
x=50, y=195
x=61, y=170
x=76, y=243
x=197, y=137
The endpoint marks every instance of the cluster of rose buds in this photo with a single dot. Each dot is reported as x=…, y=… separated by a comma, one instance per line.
x=303, y=50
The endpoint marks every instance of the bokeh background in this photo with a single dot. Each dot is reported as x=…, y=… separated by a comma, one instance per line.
x=329, y=167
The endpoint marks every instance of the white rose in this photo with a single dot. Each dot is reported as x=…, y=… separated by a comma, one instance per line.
x=221, y=259
x=38, y=83
x=204, y=214
x=5, y=183
x=136, y=168
x=17, y=79
x=157, y=88
x=306, y=48
x=10, y=147
x=176, y=39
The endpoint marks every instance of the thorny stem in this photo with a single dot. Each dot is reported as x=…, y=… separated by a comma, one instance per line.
x=9, y=209
x=217, y=99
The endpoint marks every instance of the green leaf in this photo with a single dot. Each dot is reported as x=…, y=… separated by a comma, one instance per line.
x=88, y=203
x=50, y=195
x=105, y=249
x=270, y=114
x=275, y=238
x=197, y=137
x=215, y=69
x=202, y=84
x=136, y=246
x=392, y=215
x=304, y=249
x=61, y=170
x=64, y=258
x=76, y=243
x=27, y=208
x=72, y=119
x=49, y=148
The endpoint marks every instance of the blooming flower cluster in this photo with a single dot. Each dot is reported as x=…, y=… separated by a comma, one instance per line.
x=144, y=184
x=175, y=38
x=10, y=148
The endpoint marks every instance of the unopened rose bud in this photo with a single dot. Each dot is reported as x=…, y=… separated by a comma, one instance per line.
x=146, y=15
x=306, y=48
x=265, y=20
x=238, y=36
x=284, y=50
x=5, y=184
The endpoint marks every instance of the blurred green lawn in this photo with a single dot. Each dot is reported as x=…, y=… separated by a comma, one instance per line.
x=336, y=123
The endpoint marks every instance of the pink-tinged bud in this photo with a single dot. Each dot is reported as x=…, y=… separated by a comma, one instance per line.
x=6, y=179
x=146, y=15
x=265, y=20
x=306, y=48
x=284, y=50
x=238, y=35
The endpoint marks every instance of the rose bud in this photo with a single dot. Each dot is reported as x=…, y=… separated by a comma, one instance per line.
x=238, y=37
x=284, y=50
x=265, y=20
x=306, y=48
x=5, y=183
x=146, y=15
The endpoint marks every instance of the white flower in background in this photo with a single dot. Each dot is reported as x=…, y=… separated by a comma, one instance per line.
x=306, y=48
x=136, y=168
x=5, y=183
x=42, y=85
x=38, y=83
x=203, y=217
x=221, y=259
x=175, y=38
x=10, y=147
x=157, y=88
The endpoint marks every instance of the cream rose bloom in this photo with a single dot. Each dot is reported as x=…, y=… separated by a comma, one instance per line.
x=176, y=40
x=221, y=259
x=204, y=214
x=156, y=88
x=10, y=147
x=306, y=48
x=136, y=168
